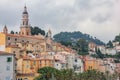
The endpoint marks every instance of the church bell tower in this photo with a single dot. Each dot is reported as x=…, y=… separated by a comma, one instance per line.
x=25, y=27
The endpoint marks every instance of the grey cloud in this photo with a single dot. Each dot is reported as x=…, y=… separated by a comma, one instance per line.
x=83, y=15
x=101, y=18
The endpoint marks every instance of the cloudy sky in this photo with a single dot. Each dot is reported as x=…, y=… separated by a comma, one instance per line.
x=99, y=18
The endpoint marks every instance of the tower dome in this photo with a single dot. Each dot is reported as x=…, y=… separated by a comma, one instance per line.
x=25, y=10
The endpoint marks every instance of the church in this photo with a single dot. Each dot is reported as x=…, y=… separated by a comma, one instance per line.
x=32, y=51
x=19, y=43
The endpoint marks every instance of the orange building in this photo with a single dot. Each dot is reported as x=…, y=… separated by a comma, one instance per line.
x=29, y=66
x=90, y=63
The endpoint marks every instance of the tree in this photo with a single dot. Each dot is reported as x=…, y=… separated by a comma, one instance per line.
x=66, y=43
x=68, y=74
x=82, y=46
x=16, y=32
x=74, y=36
x=117, y=38
x=37, y=30
x=109, y=44
x=45, y=73
x=12, y=32
x=98, y=52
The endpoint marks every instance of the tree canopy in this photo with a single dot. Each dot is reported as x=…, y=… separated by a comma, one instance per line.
x=117, y=38
x=48, y=73
x=109, y=44
x=75, y=36
x=36, y=30
x=82, y=47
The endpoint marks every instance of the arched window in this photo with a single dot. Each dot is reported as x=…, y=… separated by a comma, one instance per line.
x=27, y=33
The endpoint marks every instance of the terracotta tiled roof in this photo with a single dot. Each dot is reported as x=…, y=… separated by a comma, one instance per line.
x=32, y=37
x=5, y=53
x=13, y=46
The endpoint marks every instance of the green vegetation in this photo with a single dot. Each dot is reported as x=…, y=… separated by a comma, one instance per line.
x=75, y=36
x=48, y=73
x=109, y=44
x=117, y=38
x=98, y=54
x=37, y=30
x=12, y=32
x=45, y=73
x=82, y=47
x=77, y=41
x=34, y=31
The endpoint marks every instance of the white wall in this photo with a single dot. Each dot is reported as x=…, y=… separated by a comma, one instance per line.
x=79, y=65
x=4, y=73
x=2, y=47
x=111, y=51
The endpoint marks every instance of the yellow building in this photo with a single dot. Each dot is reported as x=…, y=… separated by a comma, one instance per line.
x=27, y=66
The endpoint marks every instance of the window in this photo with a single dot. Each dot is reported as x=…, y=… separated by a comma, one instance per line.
x=15, y=54
x=45, y=62
x=13, y=51
x=34, y=62
x=40, y=62
x=9, y=43
x=15, y=39
x=8, y=78
x=8, y=38
x=9, y=59
x=22, y=40
x=27, y=33
x=19, y=79
x=8, y=68
x=75, y=60
x=25, y=78
x=23, y=22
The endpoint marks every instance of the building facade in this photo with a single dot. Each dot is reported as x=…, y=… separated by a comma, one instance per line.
x=7, y=66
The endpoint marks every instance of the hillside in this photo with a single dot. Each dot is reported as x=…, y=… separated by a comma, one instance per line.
x=117, y=38
x=75, y=36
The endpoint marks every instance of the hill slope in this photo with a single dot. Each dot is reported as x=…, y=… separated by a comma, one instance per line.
x=75, y=36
